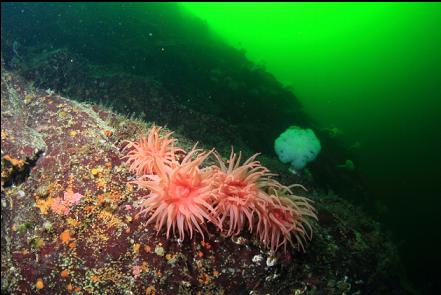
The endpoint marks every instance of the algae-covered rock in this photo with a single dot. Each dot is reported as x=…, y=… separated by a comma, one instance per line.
x=55, y=149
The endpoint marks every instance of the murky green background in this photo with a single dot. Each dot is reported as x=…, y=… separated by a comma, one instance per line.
x=374, y=71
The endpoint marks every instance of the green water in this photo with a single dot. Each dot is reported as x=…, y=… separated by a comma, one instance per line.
x=374, y=71
x=348, y=63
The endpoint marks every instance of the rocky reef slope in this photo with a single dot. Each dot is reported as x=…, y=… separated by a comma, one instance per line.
x=53, y=147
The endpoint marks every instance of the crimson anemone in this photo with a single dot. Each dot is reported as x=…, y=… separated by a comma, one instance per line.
x=151, y=149
x=238, y=191
x=180, y=195
x=284, y=216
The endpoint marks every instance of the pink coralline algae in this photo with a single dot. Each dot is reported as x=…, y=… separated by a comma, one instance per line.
x=63, y=205
x=136, y=271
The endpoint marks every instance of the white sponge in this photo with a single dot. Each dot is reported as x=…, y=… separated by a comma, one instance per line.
x=297, y=146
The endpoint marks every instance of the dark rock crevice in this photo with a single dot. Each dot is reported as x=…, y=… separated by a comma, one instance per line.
x=19, y=173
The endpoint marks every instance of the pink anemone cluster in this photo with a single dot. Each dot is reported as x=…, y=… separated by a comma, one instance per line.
x=184, y=196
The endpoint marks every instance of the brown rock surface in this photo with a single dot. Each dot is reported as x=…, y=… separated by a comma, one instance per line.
x=51, y=145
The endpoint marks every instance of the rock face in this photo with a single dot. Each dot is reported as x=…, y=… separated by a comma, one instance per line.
x=69, y=220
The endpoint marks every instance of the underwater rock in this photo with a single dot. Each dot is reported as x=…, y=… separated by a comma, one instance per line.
x=100, y=245
x=149, y=97
x=21, y=145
